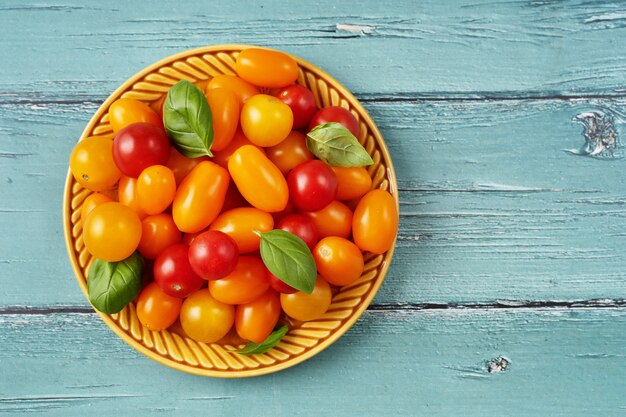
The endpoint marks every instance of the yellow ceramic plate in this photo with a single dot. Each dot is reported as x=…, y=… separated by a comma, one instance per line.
x=173, y=349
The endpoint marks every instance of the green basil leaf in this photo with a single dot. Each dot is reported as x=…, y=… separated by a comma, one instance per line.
x=188, y=120
x=272, y=340
x=337, y=146
x=112, y=285
x=289, y=258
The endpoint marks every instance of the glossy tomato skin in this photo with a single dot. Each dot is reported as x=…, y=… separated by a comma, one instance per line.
x=255, y=320
x=266, y=120
x=266, y=68
x=126, y=111
x=278, y=285
x=173, y=273
x=158, y=232
x=336, y=114
x=240, y=224
x=181, y=165
x=290, y=152
x=157, y=310
x=224, y=105
x=92, y=164
x=333, y=220
x=375, y=222
x=200, y=197
x=242, y=89
x=205, y=319
x=156, y=187
x=352, y=182
x=338, y=260
x=91, y=202
x=306, y=307
x=302, y=103
x=247, y=282
x=312, y=185
x=213, y=254
x=127, y=195
x=138, y=146
x=258, y=180
x=301, y=226
x=112, y=232
x=233, y=199
x=222, y=157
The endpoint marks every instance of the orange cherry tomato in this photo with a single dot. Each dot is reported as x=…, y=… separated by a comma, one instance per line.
x=290, y=152
x=258, y=180
x=156, y=187
x=266, y=67
x=222, y=157
x=224, y=106
x=157, y=233
x=266, y=120
x=200, y=197
x=92, y=165
x=91, y=202
x=240, y=223
x=112, y=232
x=338, y=260
x=157, y=310
x=305, y=307
x=375, y=222
x=127, y=195
x=352, y=182
x=246, y=283
x=333, y=220
x=205, y=319
x=255, y=320
x=241, y=88
x=126, y=111
x=182, y=165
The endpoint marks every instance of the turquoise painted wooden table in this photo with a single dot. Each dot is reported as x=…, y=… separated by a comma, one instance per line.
x=506, y=294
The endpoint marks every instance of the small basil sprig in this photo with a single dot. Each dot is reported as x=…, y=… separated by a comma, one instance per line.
x=272, y=340
x=112, y=285
x=188, y=120
x=289, y=258
x=337, y=146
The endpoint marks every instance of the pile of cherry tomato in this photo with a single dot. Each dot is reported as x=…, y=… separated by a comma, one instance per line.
x=195, y=220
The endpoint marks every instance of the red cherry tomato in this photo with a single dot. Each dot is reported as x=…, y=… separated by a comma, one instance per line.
x=139, y=146
x=301, y=226
x=302, y=104
x=279, y=285
x=213, y=254
x=255, y=320
x=173, y=273
x=312, y=185
x=336, y=114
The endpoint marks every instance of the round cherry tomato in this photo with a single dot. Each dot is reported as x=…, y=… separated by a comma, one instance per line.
x=222, y=157
x=266, y=120
x=258, y=180
x=200, y=197
x=247, y=282
x=352, y=182
x=290, y=152
x=92, y=164
x=155, y=309
x=306, y=307
x=240, y=224
x=92, y=201
x=302, y=103
x=278, y=285
x=126, y=111
x=242, y=89
x=182, y=165
x=213, y=254
x=173, y=273
x=301, y=226
x=375, y=222
x=336, y=114
x=156, y=187
x=205, y=319
x=255, y=320
x=333, y=220
x=112, y=232
x=138, y=146
x=312, y=185
x=158, y=232
x=127, y=195
x=224, y=106
x=338, y=260
x=266, y=67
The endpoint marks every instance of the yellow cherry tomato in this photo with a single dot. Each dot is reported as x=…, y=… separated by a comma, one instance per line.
x=255, y=320
x=127, y=195
x=290, y=152
x=240, y=224
x=242, y=89
x=112, y=232
x=221, y=158
x=247, y=282
x=91, y=202
x=266, y=120
x=92, y=165
x=266, y=67
x=126, y=111
x=305, y=307
x=375, y=222
x=205, y=319
x=156, y=187
x=224, y=106
x=352, y=182
x=333, y=220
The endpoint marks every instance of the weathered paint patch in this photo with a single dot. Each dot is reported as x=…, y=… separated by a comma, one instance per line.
x=358, y=29
x=601, y=137
x=499, y=364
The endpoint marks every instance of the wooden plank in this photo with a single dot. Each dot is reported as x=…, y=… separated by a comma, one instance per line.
x=561, y=363
x=492, y=207
x=472, y=48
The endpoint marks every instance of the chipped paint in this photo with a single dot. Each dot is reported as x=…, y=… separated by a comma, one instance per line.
x=358, y=29
x=499, y=364
x=601, y=138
